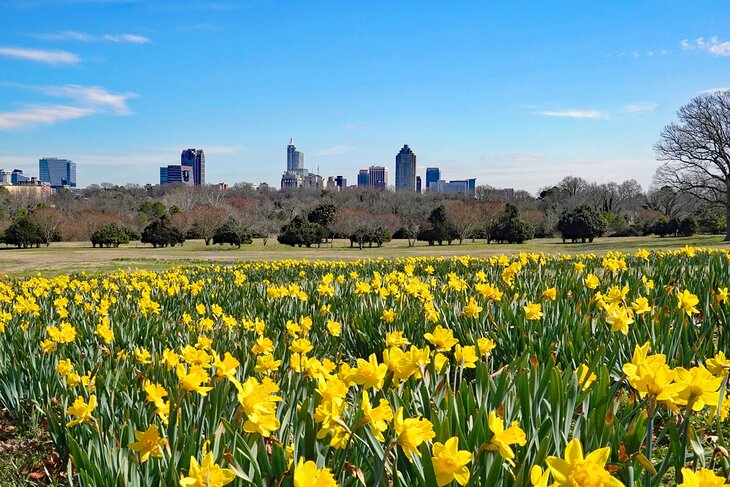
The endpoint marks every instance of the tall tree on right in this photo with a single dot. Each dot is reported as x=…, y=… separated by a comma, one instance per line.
x=696, y=151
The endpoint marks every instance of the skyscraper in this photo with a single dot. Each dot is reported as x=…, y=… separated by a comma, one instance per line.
x=418, y=184
x=405, y=170
x=59, y=173
x=363, y=178
x=294, y=158
x=378, y=177
x=195, y=158
x=176, y=173
x=433, y=174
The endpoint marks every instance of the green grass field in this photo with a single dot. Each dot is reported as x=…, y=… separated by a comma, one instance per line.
x=70, y=257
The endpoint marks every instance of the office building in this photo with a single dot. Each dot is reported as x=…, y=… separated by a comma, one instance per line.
x=6, y=177
x=296, y=175
x=405, y=170
x=294, y=158
x=341, y=183
x=418, y=184
x=363, y=179
x=17, y=176
x=177, y=174
x=313, y=181
x=59, y=173
x=195, y=158
x=378, y=177
x=433, y=175
x=291, y=180
x=466, y=186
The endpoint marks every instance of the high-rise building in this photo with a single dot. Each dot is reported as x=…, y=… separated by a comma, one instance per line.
x=17, y=177
x=177, y=173
x=378, y=177
x=59, y=173
x=433, y=174
x=195, y=158
x=294, y=158
x=363, y=179
x=341, y=183
x=405, y=170
x=466, y=186
x=418, y=184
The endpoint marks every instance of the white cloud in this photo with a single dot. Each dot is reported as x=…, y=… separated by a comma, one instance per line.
x=715, y=90
x=71, y=35
x=91, y=96
x=334, y=150
x=579, y=114
x=639, y=107
x=39, y=55
x=87, y=101
x=41, y=115
x=714, y=45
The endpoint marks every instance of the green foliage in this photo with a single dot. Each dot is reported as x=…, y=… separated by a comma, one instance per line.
x=511, y=228
x=233, y=233
x=581, y=223
x=687, y=227
x=301, y=232
x=160, y=233
x=440, y=228
x=666, y=226
x=23, y=233
x=323, y=214
x=109, y=235
x=153, y=210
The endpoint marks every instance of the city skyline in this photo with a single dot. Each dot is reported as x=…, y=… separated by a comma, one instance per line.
x=581, y=90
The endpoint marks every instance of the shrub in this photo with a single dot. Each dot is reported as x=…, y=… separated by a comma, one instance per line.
x=233, y=233
x=511, y=228
x=687, y=227
x=581, y=223
x=301, y=231
x=440, y=228
x=109, y=235
x=666, y=226
x=160, y=233
x=23, y=233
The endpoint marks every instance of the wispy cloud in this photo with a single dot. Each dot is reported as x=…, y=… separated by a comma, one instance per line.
x=72, y=35
x=639, y=107
x=39, y=55
x=714, y=45
x=41, y=115
x=86, y=101
x=334, y=150
x=715, y=90
x=92, y=96
x=578, y=114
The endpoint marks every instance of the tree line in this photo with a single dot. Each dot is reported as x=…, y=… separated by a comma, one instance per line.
x=690, y=194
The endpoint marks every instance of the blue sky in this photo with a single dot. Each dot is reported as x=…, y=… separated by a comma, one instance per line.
x=516, y=94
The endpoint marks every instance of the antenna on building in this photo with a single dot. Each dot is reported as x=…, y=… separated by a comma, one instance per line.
x=317, y=170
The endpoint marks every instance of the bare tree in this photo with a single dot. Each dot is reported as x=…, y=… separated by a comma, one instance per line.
x=696, y=151
x=207, y=219
x=465, y=218
x=49, y=222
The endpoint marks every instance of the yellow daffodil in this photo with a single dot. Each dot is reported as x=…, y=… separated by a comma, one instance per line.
x=449, y=463
x=207, y=474
x=81, y=410
x=412, y=432
x=306, y=474
x=502, y=438
x=148, y=444
x=701, y=478
x=576, y=470
x=533, y=311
